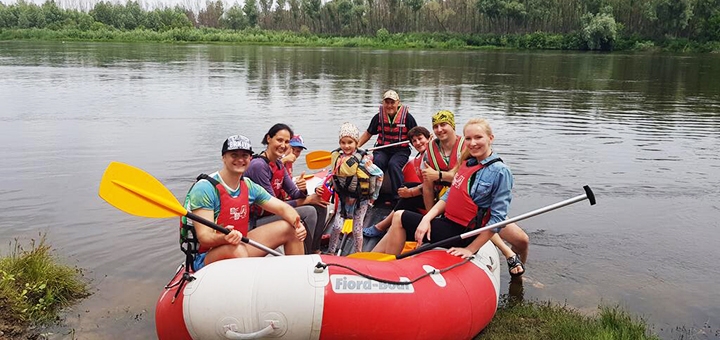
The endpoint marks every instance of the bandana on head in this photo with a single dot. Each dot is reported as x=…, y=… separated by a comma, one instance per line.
x=444, y=116
x=349, y=130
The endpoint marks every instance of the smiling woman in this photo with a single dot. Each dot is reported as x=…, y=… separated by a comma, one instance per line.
x=268, y=171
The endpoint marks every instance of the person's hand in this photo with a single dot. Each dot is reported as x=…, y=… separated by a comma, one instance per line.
x=301, y=184
x=404, y=192
x=289, y=158
x=315, y=199
x=461, y=252
x=319, y=190
x=300, y=231
x=422, y=230
x=430, y=174
x=234, y=237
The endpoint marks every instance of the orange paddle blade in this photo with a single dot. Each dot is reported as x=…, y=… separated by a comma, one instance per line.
x=318, y=159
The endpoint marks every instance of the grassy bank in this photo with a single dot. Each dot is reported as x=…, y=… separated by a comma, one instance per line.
x=34, y=287
x=381, y=40
x=545, y=320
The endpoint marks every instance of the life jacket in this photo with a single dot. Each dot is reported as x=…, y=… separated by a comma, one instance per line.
x=276, y=182
x=395, y=131
x=437, y=161
x=350, y=178
x=233, y=211
x=411, y=171
x=460, y=207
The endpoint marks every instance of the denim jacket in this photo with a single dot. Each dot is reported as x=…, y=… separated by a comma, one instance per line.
x=491, y=188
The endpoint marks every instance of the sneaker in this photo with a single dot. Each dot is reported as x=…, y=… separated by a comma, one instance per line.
x=372, y=232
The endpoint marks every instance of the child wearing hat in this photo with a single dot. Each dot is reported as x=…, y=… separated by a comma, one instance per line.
x=356, y=181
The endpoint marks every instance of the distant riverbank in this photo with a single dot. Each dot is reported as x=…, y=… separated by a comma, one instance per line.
x=382, y=40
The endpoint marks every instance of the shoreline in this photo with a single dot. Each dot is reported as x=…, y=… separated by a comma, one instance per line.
x=382, y=40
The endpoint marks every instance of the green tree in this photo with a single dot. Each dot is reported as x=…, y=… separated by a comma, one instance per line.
x=234, y=18
x=669, y=16
x=311, y=9
x=599, y=31
x=251, y=12
x=210, y=16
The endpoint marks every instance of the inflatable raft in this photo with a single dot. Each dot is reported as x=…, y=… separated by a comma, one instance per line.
x=431, y=295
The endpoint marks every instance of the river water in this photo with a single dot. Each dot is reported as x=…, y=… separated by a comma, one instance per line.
x=642, y=130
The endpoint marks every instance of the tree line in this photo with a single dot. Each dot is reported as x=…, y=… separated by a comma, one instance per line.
x=595, y=24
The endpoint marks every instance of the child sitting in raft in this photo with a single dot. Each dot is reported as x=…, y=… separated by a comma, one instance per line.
x=357, y=182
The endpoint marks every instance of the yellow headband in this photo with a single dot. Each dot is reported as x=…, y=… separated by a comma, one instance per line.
x=444, y=116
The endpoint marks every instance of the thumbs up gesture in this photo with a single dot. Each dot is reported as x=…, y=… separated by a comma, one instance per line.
x=301, y=182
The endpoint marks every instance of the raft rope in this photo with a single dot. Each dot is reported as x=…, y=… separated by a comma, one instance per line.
x=323, y=266
x=186, y=277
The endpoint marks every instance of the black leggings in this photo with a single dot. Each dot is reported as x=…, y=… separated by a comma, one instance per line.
x=440, y=229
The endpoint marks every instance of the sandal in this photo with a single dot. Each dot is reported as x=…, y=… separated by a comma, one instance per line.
x=372, y=232
x=514, y=262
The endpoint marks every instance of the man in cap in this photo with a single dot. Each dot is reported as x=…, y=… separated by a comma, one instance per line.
x=391, y=124
x=225, y=197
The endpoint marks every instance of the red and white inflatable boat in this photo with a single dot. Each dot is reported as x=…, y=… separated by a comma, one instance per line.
x=329, y=297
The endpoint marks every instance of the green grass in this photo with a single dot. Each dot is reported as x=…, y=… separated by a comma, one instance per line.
x=546, y=320
x=35, y=286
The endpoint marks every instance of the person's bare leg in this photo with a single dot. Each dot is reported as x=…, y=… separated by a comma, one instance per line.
x=518, y=239
x=385, y=223
x=394, y=239
x=500, y=244
x=227, y=251
x=428, y=194
x=273, y=235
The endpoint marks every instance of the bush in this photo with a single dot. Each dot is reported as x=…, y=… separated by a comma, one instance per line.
x=599, y=31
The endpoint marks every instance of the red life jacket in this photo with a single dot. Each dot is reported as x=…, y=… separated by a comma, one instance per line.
x=411, y=171
x=276, y=182
x=435, y=156
x=289, y=168
x=437, y=161
x=233, y=210
x=460, y=208
x=395, y=131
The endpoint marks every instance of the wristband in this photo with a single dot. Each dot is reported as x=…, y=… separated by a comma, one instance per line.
x=439, y=175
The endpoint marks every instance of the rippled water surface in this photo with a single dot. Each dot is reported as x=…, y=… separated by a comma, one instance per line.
x=642, y=130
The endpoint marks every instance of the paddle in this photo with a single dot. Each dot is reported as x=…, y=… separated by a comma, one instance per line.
x=387, y=257
x=321, y=159
x=347, y=225
x=136, y=192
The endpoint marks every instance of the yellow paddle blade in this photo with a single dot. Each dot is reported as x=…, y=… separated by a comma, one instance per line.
x=372, y=256
x=347, y=226
x=136, y=192
x=317, y=159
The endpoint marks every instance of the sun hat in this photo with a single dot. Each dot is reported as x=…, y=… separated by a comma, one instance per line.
x=297, y=141
x=390, y=94
x=349, y=130
x=237, y=142
x=444, y=116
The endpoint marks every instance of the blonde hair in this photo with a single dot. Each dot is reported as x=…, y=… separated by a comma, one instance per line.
x=485, y=125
